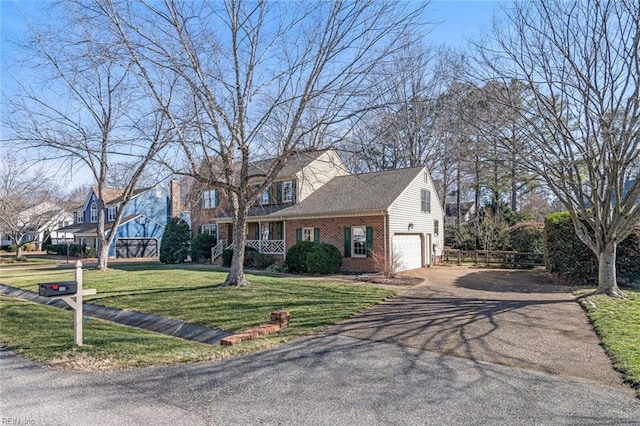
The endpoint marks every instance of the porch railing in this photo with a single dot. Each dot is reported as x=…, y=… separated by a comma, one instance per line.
x=262, y=246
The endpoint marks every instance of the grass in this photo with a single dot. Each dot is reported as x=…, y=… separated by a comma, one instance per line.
x=188, y=293
x=617, y=322
x=9, y=259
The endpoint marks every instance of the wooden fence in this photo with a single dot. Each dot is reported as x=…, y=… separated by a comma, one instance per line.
x=511, y=259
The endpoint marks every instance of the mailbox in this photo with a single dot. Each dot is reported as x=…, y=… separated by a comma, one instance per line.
x=60, y=288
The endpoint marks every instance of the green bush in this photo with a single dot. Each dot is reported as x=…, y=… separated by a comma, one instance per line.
x=201, y=247
x=526, y=237
x=566, y=255
x=296, y=261
x=61, y=249
x=175, y=241
x=324, y=258
x=252, y=258
x=227, y=256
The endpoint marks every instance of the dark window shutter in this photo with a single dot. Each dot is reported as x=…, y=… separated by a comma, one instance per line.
x=369, y=232
x=279, y=231
x=294, y=193
x=298, y=235
x=279, y=192
x=257, y=231
x=216, y=198
x=316, y=235
x=347, y=242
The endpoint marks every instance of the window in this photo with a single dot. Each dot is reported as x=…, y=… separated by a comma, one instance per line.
x=79, y=217
x=142, y=220
x=94, y=212
x=436, y=227
x=358, y=242
x=425, y=200
x=111, y=214
x=287, y=191
x=265, y=198
x=210, y=199
x=307, y=234
x=209, y=229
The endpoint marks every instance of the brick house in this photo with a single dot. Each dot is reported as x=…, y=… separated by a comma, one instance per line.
x=391, y=218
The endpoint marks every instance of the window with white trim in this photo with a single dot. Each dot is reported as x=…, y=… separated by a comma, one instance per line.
x=111, y=214
x=209, y=199
x=287, y=191
x=209, y=229
x=265, y=198
x=307, y=234
x=436, y=227
x=425, y=201
x=80, y=217
x=94, y=212
x=358, y=241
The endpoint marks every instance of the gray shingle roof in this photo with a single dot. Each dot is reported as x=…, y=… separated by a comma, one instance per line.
x=354, y=193
x=293, y=165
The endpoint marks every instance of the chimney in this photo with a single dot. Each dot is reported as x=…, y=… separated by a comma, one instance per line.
x=175, y=198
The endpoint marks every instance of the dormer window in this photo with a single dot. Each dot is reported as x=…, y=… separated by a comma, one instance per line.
x=94, y=213
x=111, y=214
x=287, y=191
x=80, y=217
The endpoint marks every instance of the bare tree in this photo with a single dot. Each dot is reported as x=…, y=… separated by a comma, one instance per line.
x=27, y=202
x=86, y=107
x=580, y=62
x=258, y=79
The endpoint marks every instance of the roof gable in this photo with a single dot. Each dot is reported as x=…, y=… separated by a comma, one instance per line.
x=354, y=193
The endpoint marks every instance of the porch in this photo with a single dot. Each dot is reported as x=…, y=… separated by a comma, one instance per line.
x=268, y=238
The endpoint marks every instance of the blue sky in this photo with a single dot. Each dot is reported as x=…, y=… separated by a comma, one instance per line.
x=456, y=22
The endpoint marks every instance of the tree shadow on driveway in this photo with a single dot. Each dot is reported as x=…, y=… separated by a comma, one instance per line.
x=513, y=318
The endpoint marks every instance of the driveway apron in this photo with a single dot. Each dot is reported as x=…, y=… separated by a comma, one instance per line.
x=509, y=317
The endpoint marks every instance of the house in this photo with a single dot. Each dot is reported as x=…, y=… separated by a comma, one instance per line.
x=467, y=212
x=144, y=218
x=39, y=222
x=392, y=217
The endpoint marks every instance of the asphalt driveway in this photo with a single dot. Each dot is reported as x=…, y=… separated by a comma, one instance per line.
x=509, y=317
x=370, y=370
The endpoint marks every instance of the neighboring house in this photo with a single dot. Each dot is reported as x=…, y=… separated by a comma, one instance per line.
x=392, y=217
x=140, y=231
x=467, y=212
x=39, y=222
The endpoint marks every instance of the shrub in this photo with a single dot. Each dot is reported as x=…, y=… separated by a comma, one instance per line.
x=297, y=256
x=252, y=258
x=526, y=237
x=175, y=241
x=227, y=255
x=201, y=247
x=29, y=247
x=566, y=255
x=323, y=258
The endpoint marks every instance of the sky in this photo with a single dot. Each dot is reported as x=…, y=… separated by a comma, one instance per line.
x=455, y=23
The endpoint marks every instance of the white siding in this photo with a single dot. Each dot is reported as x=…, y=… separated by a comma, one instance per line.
x=406, y=209
x=319, y=172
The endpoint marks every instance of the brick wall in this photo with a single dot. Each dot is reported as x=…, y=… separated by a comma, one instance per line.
x=332, y=232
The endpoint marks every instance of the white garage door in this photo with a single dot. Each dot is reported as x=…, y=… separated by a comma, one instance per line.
x=408, y=248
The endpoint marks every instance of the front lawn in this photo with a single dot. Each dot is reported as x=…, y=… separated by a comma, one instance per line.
x=617, y=322
x=188, y=293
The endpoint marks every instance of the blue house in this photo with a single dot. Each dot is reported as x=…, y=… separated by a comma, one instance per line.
x=140, y=231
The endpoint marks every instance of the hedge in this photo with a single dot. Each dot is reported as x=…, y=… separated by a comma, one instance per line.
x=252, y=258
x=566, y=255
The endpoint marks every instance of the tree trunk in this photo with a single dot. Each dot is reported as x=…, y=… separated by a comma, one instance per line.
x=236, y=273
x=18, y=251
x=103, y=255
x=607, y=282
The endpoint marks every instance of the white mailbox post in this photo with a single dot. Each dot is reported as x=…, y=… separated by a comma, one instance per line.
x=63, y=290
